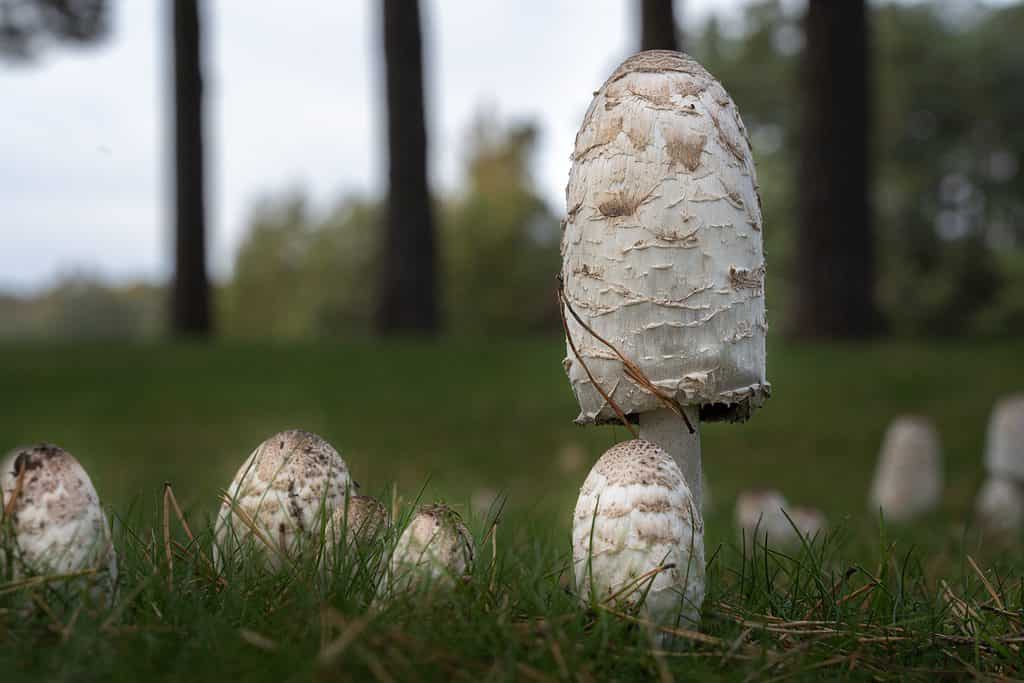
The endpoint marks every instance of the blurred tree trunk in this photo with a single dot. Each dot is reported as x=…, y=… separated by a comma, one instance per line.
x=658, y=26
x=835, y=275
x=190, y=297
x=408, y=277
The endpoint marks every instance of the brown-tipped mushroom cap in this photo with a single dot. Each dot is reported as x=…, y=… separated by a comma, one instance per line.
x=281, y=496
x=662, y=250
x=635, y=517
x=56, y=518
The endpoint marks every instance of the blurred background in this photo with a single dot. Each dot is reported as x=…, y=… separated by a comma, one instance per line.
x=223, y=219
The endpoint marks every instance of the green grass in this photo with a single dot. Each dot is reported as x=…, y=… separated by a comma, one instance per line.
x=460, y=417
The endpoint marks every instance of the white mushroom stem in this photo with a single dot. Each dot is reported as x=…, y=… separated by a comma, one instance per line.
x=665, y=428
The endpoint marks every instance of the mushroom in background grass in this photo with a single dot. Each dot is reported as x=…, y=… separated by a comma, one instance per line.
x=280, y=498
x=662, y=283
x=908, y=479
x=53, y=523
x=1000, y=504
x=762, y=515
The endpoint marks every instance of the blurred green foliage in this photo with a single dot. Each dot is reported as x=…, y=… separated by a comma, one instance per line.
x=948, y=192
x=299, y=275
x=948, y=200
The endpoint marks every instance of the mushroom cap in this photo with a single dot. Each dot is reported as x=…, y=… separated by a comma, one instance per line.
x=634, y=514
x=1000, y=507
x=435, y=548
x=56, y=519
x=364, y=518
x=908, y=479
x=1004, y=455
x=285, y=489
x=662, y=252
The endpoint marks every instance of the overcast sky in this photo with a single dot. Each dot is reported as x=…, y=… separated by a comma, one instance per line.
x=294, y=100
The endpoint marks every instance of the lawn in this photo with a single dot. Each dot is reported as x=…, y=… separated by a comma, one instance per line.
x=462, y=420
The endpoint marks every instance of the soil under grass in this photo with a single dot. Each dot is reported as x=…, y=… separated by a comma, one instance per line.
x=463, y=420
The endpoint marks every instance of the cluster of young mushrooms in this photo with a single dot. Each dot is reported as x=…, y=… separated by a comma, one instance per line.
x=662, y=296
x=293, y=499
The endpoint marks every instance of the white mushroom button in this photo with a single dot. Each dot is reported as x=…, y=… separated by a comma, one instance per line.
x=435, y=549
x=638, y=536
x=1004, y=455
x=1000, y=508
x=57, y=523
x=279, y=499
x=908, y=478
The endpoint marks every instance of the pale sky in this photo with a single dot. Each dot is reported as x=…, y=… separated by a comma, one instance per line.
x=294, y=99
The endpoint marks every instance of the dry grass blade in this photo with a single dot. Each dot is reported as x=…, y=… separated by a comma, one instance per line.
x=563, y=303
x=636, y=581
x=985, y=582
x=167, y=540
x=258, y=640
x=685, y=634
x=631, y=369
x=169, y=496
x=35, y=581
x=337, y=647
x=533, y=674
x=374, y=665
x=251, y=525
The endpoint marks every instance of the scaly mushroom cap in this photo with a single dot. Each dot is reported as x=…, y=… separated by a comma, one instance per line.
x=634, y=515
x=57, y=522
x=364, y=519
x=1005, y=454
x=281, y=496
x=436, y=548
x=908, y=481
x=1000, y=507
x=662, y=252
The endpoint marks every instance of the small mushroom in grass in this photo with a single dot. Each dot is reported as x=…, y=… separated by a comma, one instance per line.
x=280, y=498
x=662, y=259
x=1004, y=455
x=363, y=519
x=435, y=549
x=52, y=521
x=810, y=522
x=908, y=479
x=1000, y=503
x=762, y=515
x=638, y=536
x=1000, y=508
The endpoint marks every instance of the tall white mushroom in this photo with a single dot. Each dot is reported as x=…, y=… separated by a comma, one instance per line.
x=663, y=259
x=908, y=479
x=638, y=536
x=1000, y=504
x=281, y=497
x=57, y=525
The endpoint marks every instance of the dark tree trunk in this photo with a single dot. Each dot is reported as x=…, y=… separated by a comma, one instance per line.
x=835, y=250
x=657, y=26
x=408, y=277
x=190, y=298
